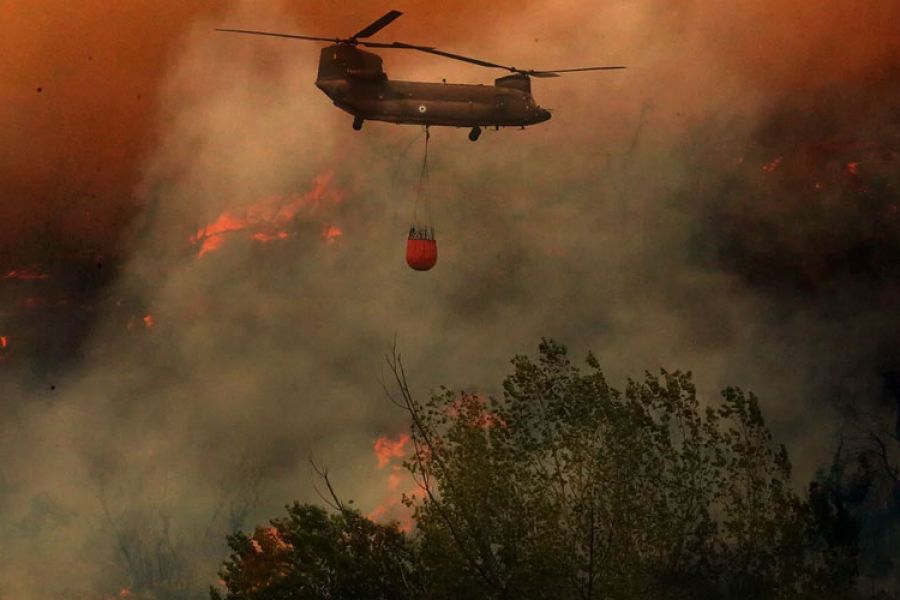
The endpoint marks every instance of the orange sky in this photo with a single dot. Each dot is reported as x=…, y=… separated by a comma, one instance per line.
x=80, y=84
x=98, y=66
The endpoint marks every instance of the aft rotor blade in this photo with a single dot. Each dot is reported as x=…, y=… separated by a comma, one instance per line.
x=282, y=35
x=556, y=72
x=400, y=45
x=378, y=25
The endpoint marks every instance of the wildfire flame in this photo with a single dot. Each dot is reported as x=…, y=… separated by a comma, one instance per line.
x=470, y=409
x=387, y=449
x=473, y=410
x=145, y=322
x=772, y=165
x=26, y=275
x=270, y=219
x=390, y=452
x=332, y=233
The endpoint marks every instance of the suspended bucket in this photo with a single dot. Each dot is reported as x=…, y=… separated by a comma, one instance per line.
x=421, y=249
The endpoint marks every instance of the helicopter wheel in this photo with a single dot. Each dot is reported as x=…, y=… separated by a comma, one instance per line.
x=475, y=134
x=357, y=123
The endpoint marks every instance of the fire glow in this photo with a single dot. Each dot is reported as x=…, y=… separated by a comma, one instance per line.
x=387, y=449
x=332, y=233
x=390, y=452
x=472, y=409
x=26, y=275
x=270, y=219
x=469, y=409
x=772, y=165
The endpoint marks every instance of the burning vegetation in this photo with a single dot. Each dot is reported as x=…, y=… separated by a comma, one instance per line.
x=577, y=495
x=391, y=454
x=272, y=218
x=814, y=201
x=54, y=305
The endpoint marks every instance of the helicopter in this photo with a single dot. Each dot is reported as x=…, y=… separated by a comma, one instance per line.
x=356, y=82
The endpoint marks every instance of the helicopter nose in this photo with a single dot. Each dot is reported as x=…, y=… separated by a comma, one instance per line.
x=543, y=115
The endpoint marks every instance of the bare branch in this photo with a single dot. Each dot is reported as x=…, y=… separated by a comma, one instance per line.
x=335, y=501
x=882, y=453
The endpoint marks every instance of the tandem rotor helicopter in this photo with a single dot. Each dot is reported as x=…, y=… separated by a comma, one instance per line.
x=356, y=82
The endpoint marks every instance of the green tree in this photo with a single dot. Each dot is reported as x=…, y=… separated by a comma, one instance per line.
x=316, y=554
x=564, y=487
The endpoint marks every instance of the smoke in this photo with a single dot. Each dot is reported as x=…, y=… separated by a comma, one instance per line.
x=644, y=222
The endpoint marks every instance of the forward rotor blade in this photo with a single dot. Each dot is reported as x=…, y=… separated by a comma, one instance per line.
x=485, y=63
x=378, y=25
x=468, y=59
x=283, y=35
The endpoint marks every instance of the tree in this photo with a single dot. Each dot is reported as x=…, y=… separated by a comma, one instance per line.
x=314, y=554
x=564, y=487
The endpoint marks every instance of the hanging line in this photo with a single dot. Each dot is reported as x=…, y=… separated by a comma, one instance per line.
x=423, y=175
x=396, y=176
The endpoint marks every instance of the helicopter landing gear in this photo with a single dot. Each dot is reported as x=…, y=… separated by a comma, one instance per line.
x=475, y=134
x=357, y=123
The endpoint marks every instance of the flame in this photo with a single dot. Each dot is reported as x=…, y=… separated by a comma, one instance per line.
x=26, y=275
x=269, y=219
x=386, y=448
x=257, y=547
x=392, y=509
x=262, y=236
x=772, y=165
x=211, y=234
x=332, y=233
x=145, y=322
x=473, y=410
x=853, y=168
x=4, y=342
x=274, y=536
x=400, y=483
x=269, y=563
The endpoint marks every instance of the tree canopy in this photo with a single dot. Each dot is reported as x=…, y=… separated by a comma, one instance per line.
x=565, y=487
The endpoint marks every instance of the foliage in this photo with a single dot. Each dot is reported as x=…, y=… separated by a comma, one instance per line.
x=857, y=500
x=314, y=554
x=564, y=487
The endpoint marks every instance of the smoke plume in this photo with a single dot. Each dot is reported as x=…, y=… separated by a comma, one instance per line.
x=204, y=265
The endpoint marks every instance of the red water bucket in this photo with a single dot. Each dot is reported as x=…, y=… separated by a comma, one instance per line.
x=421, y=254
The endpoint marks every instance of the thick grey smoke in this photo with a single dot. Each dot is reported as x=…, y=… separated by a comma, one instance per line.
x=610, y=228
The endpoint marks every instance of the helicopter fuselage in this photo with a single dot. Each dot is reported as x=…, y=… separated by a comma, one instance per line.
x=355, y=81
